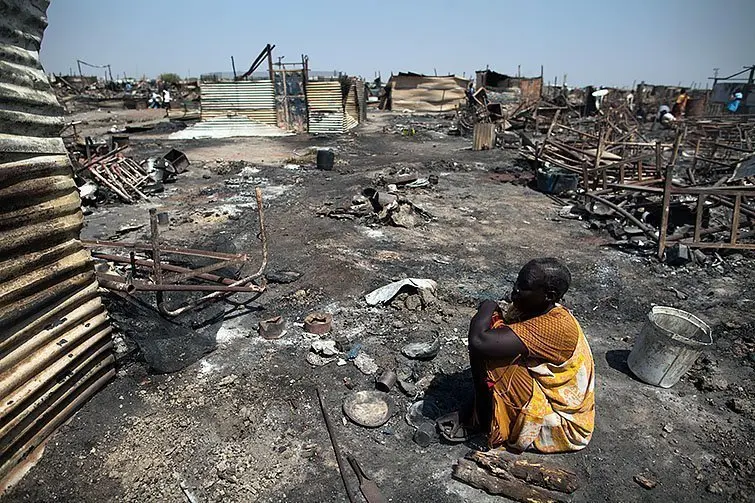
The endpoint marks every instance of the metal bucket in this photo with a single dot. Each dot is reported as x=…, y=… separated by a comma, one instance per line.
x=668, y=346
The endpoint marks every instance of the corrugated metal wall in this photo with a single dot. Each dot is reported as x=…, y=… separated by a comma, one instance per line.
x=351, y=107
x=325, y=103
x=253, y=99
x=55, y=345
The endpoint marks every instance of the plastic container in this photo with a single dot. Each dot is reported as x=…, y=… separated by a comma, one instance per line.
x=325, y=159
x=668, y=346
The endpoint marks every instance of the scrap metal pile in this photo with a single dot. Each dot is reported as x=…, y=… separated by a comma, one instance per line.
x=690, y=187
x=121, y=175
x=145, y=268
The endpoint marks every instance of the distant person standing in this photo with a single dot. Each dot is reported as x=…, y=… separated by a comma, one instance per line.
x=681, y=104
x=470, y=93
x=166, y=101
x=154, y=100
x=736, y=100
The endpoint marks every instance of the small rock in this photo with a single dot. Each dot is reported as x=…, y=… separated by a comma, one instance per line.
x=645, y=482
x=715, y=488
x=317, y=360
x=410, y=389
x=422, y=350
x=283, y=277
x=227, y=380
x=413, y=302
x=737, y=405
x=668, y=428
x=365, y=364
x=326, y=348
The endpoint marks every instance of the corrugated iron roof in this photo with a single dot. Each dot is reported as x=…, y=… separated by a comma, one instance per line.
x=55, y=346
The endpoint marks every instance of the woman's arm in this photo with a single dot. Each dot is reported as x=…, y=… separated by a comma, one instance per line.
x=492, y=343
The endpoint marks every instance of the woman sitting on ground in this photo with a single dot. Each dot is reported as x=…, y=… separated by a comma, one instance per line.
x=532, y=368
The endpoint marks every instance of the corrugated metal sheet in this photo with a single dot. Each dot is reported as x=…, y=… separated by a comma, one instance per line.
x=362, y=100
x=254, y=99
x=227, y=127
x=325, y=103
x=326, y=122
x=351, y=108
x=55, y=346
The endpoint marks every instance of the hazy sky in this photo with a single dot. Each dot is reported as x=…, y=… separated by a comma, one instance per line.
x=605, y=42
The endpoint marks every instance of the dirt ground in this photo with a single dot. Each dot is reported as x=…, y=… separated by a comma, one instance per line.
x=242, y=423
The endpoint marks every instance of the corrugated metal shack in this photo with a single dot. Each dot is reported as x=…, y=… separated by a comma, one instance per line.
x=55, y=345
x=319, y=105
x=423, y=93
x=511, y=89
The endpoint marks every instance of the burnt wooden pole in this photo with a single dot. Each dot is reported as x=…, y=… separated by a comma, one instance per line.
x=270, y=63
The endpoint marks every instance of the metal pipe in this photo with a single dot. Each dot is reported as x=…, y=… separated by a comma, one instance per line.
x=177, y=251
x=166, y=267
x=191, y=273
x=647, y=230
x=110, y=185
x=336, y=449
x=117, y=283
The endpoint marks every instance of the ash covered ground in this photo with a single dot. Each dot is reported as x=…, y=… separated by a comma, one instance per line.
x=241, y=422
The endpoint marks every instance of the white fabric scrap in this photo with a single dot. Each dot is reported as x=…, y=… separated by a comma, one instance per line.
x=387, y=292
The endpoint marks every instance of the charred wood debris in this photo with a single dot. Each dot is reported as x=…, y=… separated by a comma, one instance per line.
x=682, y=192
x=103, y=172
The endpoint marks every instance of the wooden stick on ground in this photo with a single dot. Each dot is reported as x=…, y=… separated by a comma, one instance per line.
x=468, y=472
x=549, y=477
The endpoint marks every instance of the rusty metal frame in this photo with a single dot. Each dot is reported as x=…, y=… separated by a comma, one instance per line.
x=222, y=286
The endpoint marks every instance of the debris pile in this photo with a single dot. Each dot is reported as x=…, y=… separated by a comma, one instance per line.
x=688, y=187
x=123, y=176
x=387, y=207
